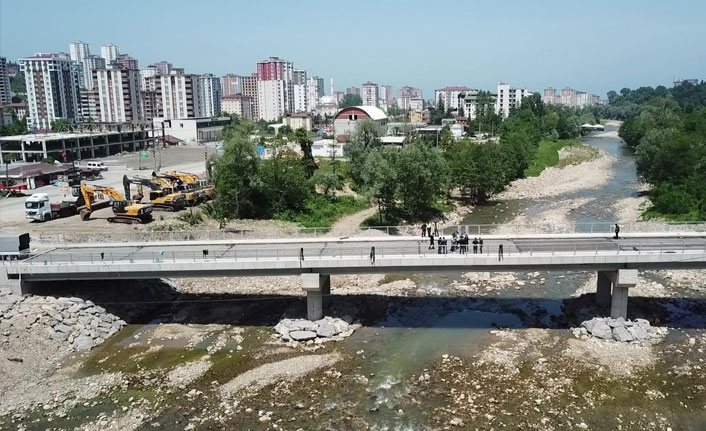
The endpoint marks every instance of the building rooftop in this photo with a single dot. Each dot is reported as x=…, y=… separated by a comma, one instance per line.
x=455, y=89
x=373, y=112
x=300, y=115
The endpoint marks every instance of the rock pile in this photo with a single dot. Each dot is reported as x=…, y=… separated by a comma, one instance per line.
x=319, y=331
x=75, y=321
x=617, y=329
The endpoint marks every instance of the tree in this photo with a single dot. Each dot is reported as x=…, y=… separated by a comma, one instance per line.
x=235, y=175
x=328, y=181
x=284, y=184
x=447, y=138
x=365, y=138
x=379, y=180
x=350, y=100
x=305, y=143
x=421, y=178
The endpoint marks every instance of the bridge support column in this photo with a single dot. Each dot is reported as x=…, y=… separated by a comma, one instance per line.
x=603, y=288
x=317, y=287
x=624, y=280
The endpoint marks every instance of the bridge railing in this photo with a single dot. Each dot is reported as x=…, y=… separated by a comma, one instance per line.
x=598, y=248
x=76, y=237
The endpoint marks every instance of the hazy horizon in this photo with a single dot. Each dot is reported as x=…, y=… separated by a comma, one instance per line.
x=595, y=47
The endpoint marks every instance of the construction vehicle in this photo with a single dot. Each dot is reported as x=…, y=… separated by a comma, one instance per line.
x=162, y=194
x=38, y=207
x=125, y=211
x=193, y=180
x=192, y=195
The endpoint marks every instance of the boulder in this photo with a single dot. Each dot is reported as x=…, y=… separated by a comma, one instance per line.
x=614, y=323
x=83, y=343
x=589, y=324
x=638, y=333
x=62, y=328
x=59, y=336
x=620, y=333
x=326, y=330
x=302, y=335
x=340, y=325
x=303, y=325
x=601, y=330
x=643, y=323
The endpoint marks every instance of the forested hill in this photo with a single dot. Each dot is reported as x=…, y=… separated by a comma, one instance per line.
x=667, y=129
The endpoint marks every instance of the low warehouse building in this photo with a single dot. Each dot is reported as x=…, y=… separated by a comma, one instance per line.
x=346, y=120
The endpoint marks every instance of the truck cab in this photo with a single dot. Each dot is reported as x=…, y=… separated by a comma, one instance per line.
x=38, y=207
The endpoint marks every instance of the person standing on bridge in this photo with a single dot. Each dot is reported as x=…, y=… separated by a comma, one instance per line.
x=431, y=241
x=475, y=245
x=500, y=252
x=480, y=245
x=617, y=230
x=424, y=230
x=429, y=231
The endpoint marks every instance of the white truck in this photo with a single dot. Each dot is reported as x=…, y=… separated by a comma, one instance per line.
x=39, y=208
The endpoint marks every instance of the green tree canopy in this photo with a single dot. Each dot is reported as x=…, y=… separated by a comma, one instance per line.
x=350, y=100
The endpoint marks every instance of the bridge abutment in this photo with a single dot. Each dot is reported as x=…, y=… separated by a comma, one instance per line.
x=317, y=288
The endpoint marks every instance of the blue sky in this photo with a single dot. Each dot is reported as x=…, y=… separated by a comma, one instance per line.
x=593, y=46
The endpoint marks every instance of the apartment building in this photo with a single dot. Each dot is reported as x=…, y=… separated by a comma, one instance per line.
x=210, y=88
x=451, y=97
x=78, y=51
x=405, y=96
x=52, y=92
x=314, y=91
x=508, y=98
x=275, y=92
x=237, y=104
x=250, y=90
x=110, y=53
x=370, y=94
x=5, y=96
x=89, y=63
x=178, y=95
x=386, y=94
x=231, y=84
x=118, y=95
x=569, y=97
x=299, y=83
x=353, y=90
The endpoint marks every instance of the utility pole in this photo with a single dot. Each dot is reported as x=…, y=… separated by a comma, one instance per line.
x=154, y=149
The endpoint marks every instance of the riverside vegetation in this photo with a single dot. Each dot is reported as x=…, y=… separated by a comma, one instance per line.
x=667, y=129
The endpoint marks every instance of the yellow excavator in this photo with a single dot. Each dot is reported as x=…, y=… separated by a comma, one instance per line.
x=192, y=195
x=193, y=181
x=162, y=194
x=124, y=211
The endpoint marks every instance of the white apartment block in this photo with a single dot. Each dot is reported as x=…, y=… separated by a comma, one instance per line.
x=405, y=96
x=416, y=104
x=51, y=90
x=508, y=98
x=145, y=74
x=118, y=95
x=231, y=84
x=110, y=53
x=274, y=88
x=451, y=97
x=370, y=94
x=4, y=82
x=314, y=91
x=569, y=97
x=237, y=104
x=91, y=62
x=210, y=88
x=78, y=51
x=299, y=89
x=178, y=96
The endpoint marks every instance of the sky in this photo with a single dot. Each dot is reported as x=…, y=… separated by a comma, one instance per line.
x=593, y=46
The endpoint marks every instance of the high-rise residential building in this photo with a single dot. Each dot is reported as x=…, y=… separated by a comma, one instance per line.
x=4, y=82
x=250, y=90
x=274, y=88
x=78, y=51
x=353, y=90
x=386, y=94
x=569, y=97
x=231, y=84
x=370, y=94
x=110, y=53
x=178, y=95
x=88, y=105
x=118, y=95
x=405, y=95
x=51, y=90
x=149, y=102
x=63, y=55
x=314, y=91
x=237, y=104
x=91, y=62
x=508, y=98
x=164, y=67
x=299, y=91
x=145, y=73
x=210, y=87
x=450, y=97
x=126, y=62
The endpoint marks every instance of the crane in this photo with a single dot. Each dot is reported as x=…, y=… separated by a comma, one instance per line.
x=125, y=211
x=162, y=194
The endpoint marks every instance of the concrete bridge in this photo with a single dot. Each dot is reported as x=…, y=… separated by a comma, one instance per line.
x=316, y=259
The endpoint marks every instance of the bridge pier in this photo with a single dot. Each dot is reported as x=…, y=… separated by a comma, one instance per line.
x=621, y=280
x=317, y=288
x=17, y=287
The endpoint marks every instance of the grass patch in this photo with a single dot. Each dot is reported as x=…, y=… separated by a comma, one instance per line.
x=324, y=211
x=578, y=154
x=652, y=214
x=548, y=155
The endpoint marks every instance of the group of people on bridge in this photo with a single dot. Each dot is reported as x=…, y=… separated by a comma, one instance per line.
x=459, y=243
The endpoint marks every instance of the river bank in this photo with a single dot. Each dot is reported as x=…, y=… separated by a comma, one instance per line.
x=435, y=352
